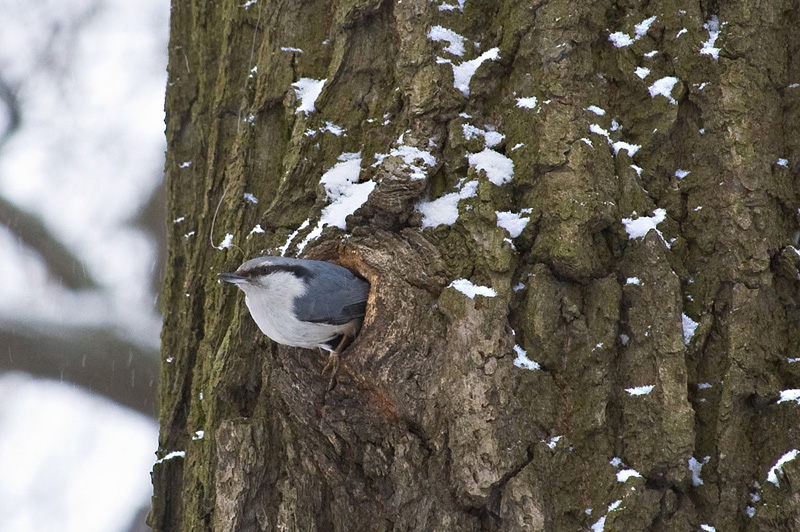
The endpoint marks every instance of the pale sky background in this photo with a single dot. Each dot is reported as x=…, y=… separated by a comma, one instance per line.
x=89, y=76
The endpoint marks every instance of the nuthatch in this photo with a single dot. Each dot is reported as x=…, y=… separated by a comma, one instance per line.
x=303, y=303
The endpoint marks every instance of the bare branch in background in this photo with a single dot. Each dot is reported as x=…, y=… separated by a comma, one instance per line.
x=33, y=233
x=95, y=359
x=9, y=98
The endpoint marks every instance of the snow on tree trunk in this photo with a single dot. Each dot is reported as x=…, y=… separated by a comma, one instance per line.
x=577, y=219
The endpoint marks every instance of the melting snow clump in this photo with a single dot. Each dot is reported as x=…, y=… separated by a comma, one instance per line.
x=491, y=138
x=499, y=168
x=713, y=27
x=624, y=474
x=689, y=326
x=639, y=227
x=308, y=90
x=790, y=395
x=410, y=155
x=444, y=210
x=455, y=42
x=642, y=27
x=527, y=103
x=630, y=148
x=471, y=290
x=598, y=130
x=696, y=468
x=553, y=442
x=343, y=189
x=640, y=390
x=664, y=87
x=451, y=7
x=284, y=247
x=345, y=193
x=680, y=174
x=172, y=455
x=227, y=241
x=522, y=360
x=620, y=40
x=772, y=476
x=512, y=222
x=462, y=73
x=256, y=229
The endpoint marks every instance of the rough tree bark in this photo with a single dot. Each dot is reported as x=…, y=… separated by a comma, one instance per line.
x=432, y=425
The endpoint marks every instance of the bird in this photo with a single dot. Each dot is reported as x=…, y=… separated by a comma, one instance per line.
x=303, y=303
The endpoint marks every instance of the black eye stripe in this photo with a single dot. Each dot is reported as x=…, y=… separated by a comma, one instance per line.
x=266, y=269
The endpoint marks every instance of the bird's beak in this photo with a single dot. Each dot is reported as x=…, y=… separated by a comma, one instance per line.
x=233, y=277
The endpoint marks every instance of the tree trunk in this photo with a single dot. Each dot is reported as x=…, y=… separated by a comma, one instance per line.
x=616, y=364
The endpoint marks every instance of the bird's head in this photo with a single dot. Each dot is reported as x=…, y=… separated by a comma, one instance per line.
x=268, y=273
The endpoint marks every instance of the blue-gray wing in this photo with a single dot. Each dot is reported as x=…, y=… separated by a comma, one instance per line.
x=335, y=295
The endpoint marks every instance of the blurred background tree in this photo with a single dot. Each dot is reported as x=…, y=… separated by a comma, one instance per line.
x=579, y=220
x=82, y=232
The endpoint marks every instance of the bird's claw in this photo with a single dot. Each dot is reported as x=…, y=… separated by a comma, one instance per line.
x=333, y=366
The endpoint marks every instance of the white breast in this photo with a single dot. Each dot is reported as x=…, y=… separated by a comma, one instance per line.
x=273, y=311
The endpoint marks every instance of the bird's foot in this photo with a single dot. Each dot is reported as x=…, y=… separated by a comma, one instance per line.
x=333, y=366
